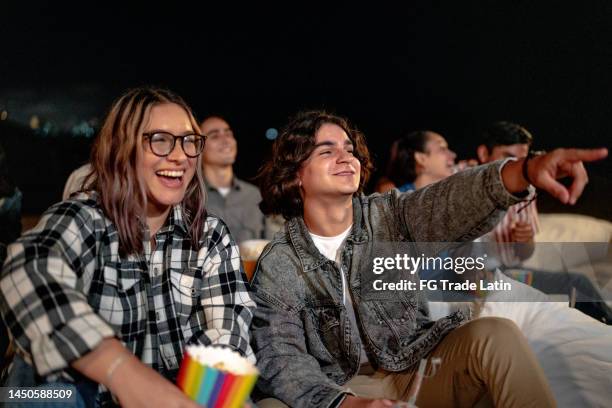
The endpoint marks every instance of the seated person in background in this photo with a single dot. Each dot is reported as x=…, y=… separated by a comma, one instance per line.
x=435, y=161
x=233, y=200
x=75, y=181
x=313, y=332
x=502, y=140
x=414, y=169
x=111, y=285
x=520, y=224
x=422, y=157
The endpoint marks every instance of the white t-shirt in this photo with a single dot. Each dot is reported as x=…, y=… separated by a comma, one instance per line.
x=224, y=191
x=331, y=248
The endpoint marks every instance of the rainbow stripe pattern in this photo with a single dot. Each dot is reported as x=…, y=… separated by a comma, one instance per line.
x=522, y=276
x=216, y=377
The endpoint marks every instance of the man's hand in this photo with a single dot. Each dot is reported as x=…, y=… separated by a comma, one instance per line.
x=359, y=402
x=545, y=170
x=522, y=231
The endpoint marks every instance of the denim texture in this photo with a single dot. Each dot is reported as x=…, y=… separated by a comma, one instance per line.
x=305, y=346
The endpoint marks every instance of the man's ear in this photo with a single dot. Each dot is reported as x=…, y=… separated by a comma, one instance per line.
x=483, y=153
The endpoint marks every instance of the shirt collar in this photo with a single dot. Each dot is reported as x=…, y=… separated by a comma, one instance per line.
x=234, y=185
x=175, y=221
x=309, y=255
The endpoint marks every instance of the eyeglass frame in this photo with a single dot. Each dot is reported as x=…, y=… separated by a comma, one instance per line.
x=149, y=135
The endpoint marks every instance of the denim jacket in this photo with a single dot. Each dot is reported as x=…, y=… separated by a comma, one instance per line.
x=305, y=346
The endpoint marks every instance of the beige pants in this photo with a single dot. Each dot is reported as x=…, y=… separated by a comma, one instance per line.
x=487, y=355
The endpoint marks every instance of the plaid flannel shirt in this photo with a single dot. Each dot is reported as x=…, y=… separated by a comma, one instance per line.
x=65, y=288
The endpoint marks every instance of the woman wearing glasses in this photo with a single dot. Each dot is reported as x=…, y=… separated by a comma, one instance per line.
x=112, y=284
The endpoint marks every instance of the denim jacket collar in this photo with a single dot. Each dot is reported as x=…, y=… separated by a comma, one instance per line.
x=309, y=255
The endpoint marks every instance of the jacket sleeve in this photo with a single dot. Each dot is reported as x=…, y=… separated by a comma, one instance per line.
x=42, y=300
x=457, y=209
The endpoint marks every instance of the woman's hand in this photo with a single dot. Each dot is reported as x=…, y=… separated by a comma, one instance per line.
x=132, y=382
x=137, y=385
x=544, y=171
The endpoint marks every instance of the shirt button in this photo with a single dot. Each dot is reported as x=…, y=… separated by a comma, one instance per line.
x=172, y=363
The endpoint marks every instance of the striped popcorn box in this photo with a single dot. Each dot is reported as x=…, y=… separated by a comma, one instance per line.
x=216, y=377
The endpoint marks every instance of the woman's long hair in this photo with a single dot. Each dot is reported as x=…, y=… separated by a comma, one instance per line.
x=402, y=169
x=114, y=175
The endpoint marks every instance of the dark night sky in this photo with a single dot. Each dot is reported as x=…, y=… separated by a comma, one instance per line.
x=449, y=66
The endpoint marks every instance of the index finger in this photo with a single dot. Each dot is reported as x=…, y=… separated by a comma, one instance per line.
x=586, y=154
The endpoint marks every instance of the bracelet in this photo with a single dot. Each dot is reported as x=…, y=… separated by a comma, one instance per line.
x=113, y=367
x=524, y=168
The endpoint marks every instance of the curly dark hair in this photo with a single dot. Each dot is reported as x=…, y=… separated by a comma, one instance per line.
x=278, y=179
x=402, y=168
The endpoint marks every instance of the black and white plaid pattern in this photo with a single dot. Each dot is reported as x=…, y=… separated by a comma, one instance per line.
x=65, y=288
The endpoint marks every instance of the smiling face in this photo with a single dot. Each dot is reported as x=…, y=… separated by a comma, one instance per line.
x=221, y=147
x=438, y=160
x=331, y=170
x=165, y=179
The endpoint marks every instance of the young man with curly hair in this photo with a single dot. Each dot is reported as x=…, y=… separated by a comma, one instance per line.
x=319, y=342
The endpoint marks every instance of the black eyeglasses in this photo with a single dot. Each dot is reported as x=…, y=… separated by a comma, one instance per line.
x=162, y=143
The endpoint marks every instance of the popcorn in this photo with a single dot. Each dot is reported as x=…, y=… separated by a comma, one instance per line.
x=216, y=377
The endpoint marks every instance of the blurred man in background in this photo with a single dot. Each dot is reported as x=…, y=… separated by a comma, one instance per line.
x=232, y=199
